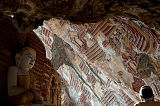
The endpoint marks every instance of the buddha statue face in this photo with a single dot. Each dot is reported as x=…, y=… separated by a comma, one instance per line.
x=25, y=59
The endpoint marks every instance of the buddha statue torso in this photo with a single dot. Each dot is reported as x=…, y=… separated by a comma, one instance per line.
x=24, y=81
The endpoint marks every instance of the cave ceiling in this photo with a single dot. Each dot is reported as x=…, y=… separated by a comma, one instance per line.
x=29, y=14
x=103, y=63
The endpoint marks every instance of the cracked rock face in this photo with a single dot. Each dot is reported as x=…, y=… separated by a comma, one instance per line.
x=28, y=13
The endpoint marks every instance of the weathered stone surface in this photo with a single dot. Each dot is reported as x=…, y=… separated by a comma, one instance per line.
x=30, y=14
x=144, y=65
x=59, y=54
x=106, y=67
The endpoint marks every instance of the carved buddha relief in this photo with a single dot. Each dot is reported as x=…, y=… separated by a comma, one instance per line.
x=144, y=66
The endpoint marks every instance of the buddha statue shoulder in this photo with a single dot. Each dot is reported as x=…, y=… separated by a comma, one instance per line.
x=20, y=91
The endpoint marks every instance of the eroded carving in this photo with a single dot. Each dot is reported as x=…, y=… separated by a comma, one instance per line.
x=144, y=66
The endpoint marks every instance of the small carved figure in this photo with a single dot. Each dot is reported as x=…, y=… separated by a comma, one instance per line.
x=144, y=66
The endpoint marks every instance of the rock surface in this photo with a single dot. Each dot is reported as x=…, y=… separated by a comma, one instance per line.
x=59, y=54
x=108, y=61
x=29, y=14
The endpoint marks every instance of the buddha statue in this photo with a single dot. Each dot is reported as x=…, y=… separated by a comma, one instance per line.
x=20, y=91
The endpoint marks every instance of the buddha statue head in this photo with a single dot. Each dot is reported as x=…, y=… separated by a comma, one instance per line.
x=25, y=59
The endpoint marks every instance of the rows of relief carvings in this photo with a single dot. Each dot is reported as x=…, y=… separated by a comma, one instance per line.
x=113, y=49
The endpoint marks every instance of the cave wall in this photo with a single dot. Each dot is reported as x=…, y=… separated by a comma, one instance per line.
x=48, y=81
x=8, y=44
x=106, y=54
x=45, y=76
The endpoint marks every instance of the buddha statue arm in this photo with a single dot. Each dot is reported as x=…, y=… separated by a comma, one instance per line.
x=13, y=89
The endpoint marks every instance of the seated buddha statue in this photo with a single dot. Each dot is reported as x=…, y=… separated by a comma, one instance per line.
x=20, y=91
